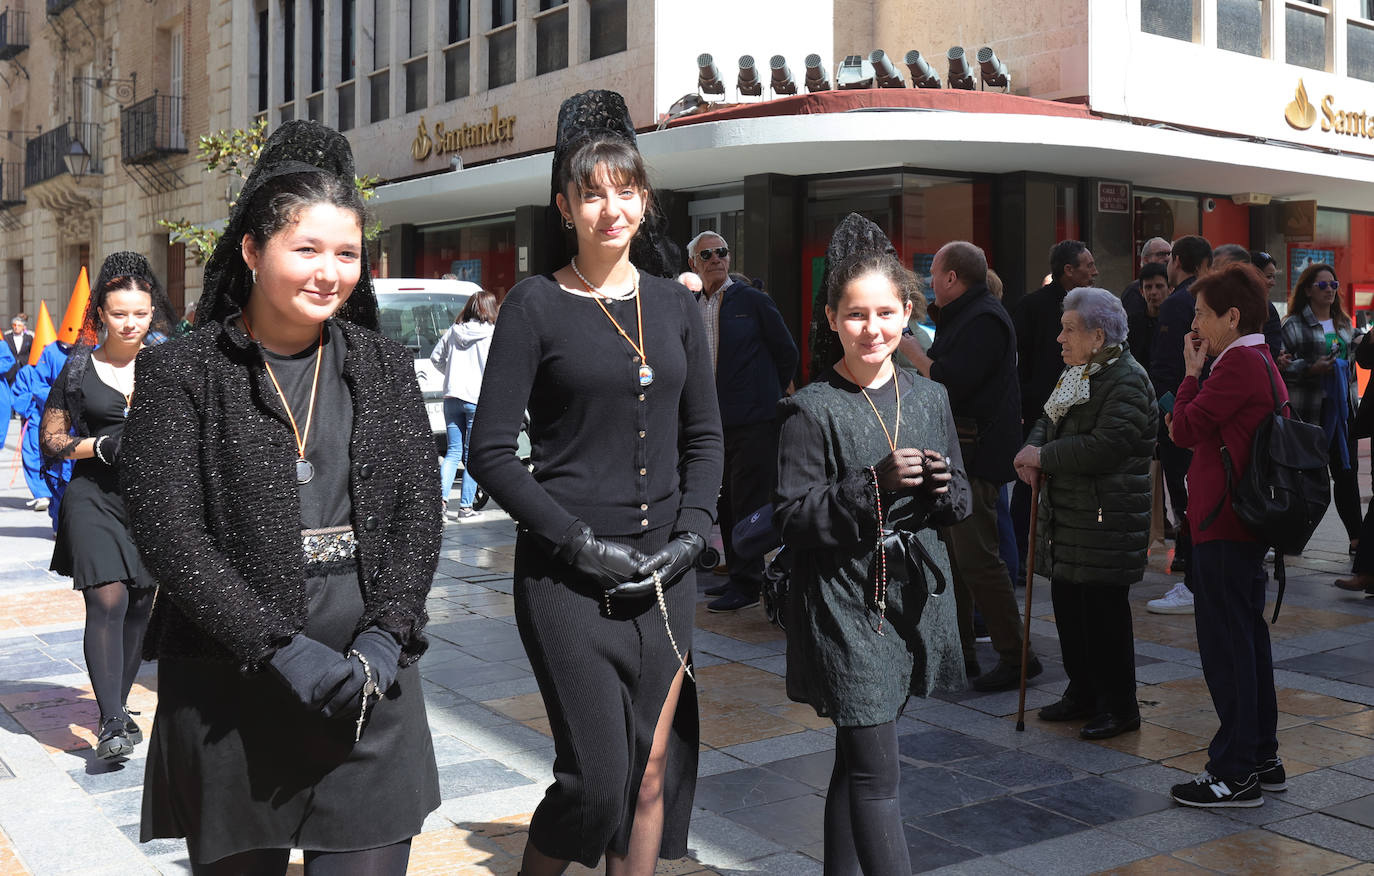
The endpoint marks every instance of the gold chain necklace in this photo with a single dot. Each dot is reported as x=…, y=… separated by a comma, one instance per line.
x=646, y=374
x=897, y=390
x=304, y=469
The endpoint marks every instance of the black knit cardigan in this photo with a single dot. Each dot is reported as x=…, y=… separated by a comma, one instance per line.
x=207, y=468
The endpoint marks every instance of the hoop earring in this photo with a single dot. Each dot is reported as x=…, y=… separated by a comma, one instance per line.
x=254, y=274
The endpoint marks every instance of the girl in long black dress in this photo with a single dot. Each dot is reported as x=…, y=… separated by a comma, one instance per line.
x=283, y=489
x=612, y=364
x=83, y=420
x=868, y=465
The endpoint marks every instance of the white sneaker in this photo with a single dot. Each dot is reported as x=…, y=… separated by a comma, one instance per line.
x=40, y=505
x=1179, y=600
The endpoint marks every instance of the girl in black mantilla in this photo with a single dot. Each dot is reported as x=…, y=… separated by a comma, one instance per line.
x=867, y=622
x=83, y=420
x=283, y=488
x=612, y=363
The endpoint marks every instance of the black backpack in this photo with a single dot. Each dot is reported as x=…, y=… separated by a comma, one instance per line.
x=1284, y=494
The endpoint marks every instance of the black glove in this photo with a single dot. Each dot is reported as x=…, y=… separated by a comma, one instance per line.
x=107, y=443
x=314, y=672
x=902, y=469
x=609, y=565
x=383, y=655
x=671, y=561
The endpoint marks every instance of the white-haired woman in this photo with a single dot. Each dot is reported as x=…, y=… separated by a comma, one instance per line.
x=1093, y=446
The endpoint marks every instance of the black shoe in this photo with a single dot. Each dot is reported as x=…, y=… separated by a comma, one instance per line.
x=1180, y=564
x=733, y=600
x=1107, y=725
x=1209, y=792
x=972, y=670
x=1006, y=676
x=1272, y=776
x=1065, y=710
x=114, y=741
x=131, y=728
x=717, y=589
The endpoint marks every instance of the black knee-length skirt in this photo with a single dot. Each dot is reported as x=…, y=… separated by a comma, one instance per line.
x=604, y=681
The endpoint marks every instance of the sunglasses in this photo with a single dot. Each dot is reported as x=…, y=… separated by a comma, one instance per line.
x=1327, y=285
x=707, y=254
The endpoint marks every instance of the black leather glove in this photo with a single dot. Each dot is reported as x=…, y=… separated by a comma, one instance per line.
x=314, y=672
x=607, y=564
x=383, y=655
x=902, y=469
x=672, y=561
x=107, y=443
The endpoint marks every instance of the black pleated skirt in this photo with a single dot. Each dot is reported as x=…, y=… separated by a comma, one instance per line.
x=94, y=546
x=604, y=680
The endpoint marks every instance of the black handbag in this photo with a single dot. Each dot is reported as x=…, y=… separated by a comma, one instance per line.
x=910, y=565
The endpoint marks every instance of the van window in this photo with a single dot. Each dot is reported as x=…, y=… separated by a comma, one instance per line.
x=416, y=320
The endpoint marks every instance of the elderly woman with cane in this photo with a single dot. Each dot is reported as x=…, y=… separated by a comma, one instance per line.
x=1092, y=446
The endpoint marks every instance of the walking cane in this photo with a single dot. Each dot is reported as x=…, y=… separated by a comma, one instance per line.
x=1030, y=577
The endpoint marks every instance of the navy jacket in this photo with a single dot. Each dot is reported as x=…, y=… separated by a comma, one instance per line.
x=756, y=357
x=975, y=359
x=1038, y=358
x=1166, y=354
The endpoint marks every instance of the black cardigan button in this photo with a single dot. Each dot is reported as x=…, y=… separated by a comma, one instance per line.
x=366, y=469
x=371, y=523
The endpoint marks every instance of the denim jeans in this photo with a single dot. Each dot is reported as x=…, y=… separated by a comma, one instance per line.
x=458, y=416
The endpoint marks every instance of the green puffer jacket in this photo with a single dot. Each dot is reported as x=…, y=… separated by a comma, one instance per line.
x=1094, y=518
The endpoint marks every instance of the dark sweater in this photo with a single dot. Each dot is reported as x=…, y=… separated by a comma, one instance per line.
x=1166, y=355
x=208, y=471
x=975, y=359
x=1038, y=359
x=756, y=358
x=620, y=457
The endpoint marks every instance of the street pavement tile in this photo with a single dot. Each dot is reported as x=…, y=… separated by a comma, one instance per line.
x=1360, y=811
x=1096, y=800
x=710, y=762
x=1362, y=651
x=449, y=749
x=1275, y=808
x=1327, y=787
x=927, y=790
x=812, y=769
x=157, y=848
x=1259, y=851
x=1159, y=699
x=1151, y=776
x=10, y=865
x=1360, y=723
x=930, y=852
x=1175, y=828
x=775, y=664
x=470, y=634
x=1159, y=865
x=785, y=864
x=525, y=707
x=779, y=747
x=725, y=646
x=802, y=714
x=1323, y=746
x=462, y=678
x=751, y=786
x=1362, y=767
x=750, y=625
x=1085, y=756
x=720, y=843
x=943, y=746
x=1015, y=769
x=998, y=825
x=101, y=776
x=1326, y=664
x=1162, y=672
x=745, y=725
x=792, y=823
x=121, y=807
x=477, y=777
x=755, y=685
x=1154, y=742
x=1089, y=851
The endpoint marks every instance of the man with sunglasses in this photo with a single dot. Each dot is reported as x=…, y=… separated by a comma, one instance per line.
x=755, y=359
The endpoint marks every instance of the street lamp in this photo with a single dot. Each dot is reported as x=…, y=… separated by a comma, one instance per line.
x=960, y=74
x=783, y=83
x=77, y=159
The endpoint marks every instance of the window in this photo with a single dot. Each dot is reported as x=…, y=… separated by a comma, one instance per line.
x=264, y=59
x=346, y=108
x=1367, y=9
x=1359, y=51
x=419, y=28
x=456, y=74
x=502, y=13
x=176, y=276
x=381, y=34
x=348, y=49
x=288, y=66
x=551, y=41
x=459, y=20
x=176, y=137
x=379, y=87
x=608, y=27
x=316, y=45
x=1240, y=26
x=1305, y=37
x=1169, y=18
x=501, y=58
x=417, y=84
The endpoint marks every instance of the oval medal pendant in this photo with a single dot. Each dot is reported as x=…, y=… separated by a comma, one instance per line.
x=646, y=375
x=304, y=471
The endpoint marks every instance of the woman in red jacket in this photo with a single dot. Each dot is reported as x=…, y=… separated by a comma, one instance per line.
x=1232, y=637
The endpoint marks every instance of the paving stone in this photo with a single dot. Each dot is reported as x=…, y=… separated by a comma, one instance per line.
x=927, y=790
x=1327, y=664
x=1362, y=767
x=1096, y=800
x=121, y=807
x=1090, y=851
x=791, y=823
x=1152, y=777
x=781, y=747
x=943, y=746
x=101, y=776
x=710, y=762
x=930, y=852
x=752, y=786
x=449, y=749
x=998, y=825
x=1176, y=828
x=1085, y=755
x=786, y=864
x=1015, y=769
x=1320, y=789
x=984, y=866
x=1360, y=811
x=1158, y=673
x=477, y=777
x=811, y=769
x=718, y=842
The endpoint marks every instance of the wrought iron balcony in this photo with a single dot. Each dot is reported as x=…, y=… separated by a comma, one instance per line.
x=11, y=184
x=14, y=33
x=45, y=155
x=55, y=7
x=151, y=130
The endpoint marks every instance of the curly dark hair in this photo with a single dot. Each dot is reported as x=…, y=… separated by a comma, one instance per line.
x=119, y=272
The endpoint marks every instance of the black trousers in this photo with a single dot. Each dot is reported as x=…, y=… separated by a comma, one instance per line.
x=1097, y=641
x=751, y=471
x=1233, y=642
x=1345, y=487
x=1175, y=461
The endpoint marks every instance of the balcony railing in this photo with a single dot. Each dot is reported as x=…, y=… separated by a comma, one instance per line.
x=56, y=6
x=151, y=129
x=11, y=184
x=44, y=155
x=14, y=33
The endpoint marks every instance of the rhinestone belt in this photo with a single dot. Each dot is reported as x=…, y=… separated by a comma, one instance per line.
x=336, y=544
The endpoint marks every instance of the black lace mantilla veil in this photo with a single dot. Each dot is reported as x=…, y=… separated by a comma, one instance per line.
x=582, y=117
x=855, y=236
x=298, y=146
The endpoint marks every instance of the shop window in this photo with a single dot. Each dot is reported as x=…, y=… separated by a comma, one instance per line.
x=1176, y=19
x=1359, y=51
x=481, y=251
x=1240, y=26
x=456, y=73
x=501, y=57
x=502, y=12
x=459, y=20
x=609, y=28
x=1169, y=216
x=1305, y=35
x=551, y=41
x=379, y=87
x=417, y=84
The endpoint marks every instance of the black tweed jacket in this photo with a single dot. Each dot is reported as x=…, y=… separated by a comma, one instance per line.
x=207, y=467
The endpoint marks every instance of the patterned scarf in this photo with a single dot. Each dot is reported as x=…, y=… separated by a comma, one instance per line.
x=1072, y=388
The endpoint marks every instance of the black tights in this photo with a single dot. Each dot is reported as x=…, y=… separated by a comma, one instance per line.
x=389, y=860
x=863, y=817
x=116, y=618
